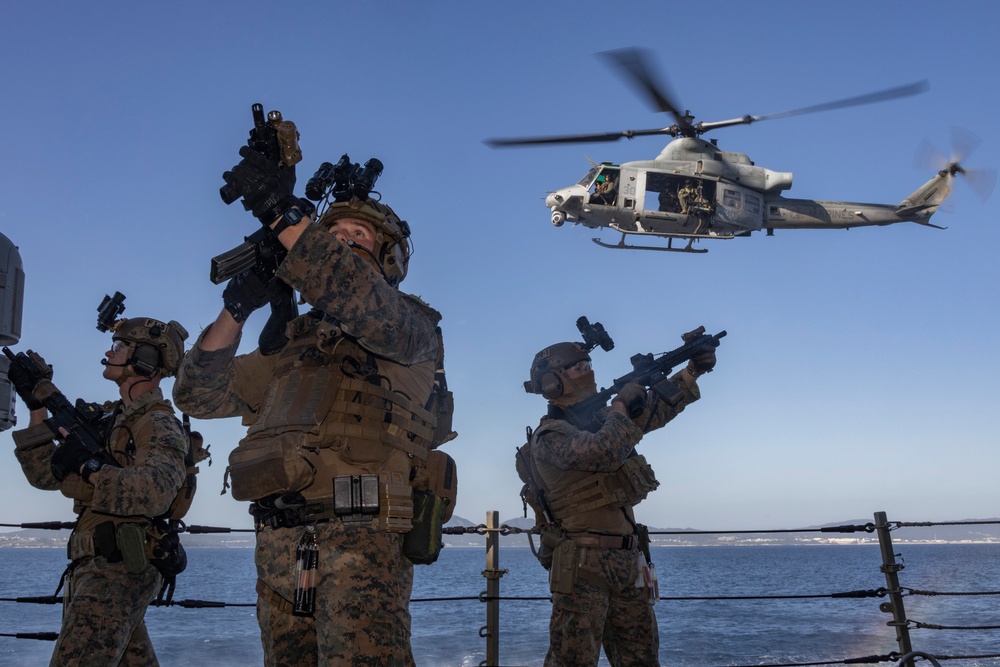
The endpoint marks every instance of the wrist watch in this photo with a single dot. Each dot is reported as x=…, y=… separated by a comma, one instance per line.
x=89, y=467
x=289, y=218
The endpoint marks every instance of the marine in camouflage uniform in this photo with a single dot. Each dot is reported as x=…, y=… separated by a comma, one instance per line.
x=602, y=588
x=106, y=592
x=341, y=399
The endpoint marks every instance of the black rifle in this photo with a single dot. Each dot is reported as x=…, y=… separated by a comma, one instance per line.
x=75, y=420
x=277, y=140
x=648, y=371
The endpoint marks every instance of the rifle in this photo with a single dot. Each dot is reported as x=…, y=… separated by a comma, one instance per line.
x=277, y=140
x=648, y=371
x=77, y=421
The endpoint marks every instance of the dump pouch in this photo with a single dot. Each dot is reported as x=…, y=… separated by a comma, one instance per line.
x=131, y=541
x=271, y=466
x=562, y=576
x=423, y=544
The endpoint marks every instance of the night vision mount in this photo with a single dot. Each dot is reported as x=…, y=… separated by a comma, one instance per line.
x=594, y=335
x=109, y=310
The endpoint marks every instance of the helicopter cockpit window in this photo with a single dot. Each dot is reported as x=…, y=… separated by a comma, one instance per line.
x=605, y=190
x=588, y=180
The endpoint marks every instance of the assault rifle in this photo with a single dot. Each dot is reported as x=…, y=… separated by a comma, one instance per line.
x=77, y=421
x=278, y=141
x=649, y=371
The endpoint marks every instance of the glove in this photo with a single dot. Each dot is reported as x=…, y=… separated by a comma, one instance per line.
x=633, y=397
x=283, y=310
x=24, y=383
x=69, y=456
x=266, y=186
x=245, y=293
x=703, y=359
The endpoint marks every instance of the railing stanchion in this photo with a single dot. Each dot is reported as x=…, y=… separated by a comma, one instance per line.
x=895, y=604
x=492, y=573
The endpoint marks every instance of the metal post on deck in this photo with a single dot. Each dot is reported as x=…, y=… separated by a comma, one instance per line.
x=895, y=604
x=491, y=631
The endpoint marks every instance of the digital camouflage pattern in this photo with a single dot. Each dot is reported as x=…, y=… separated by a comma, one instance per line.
x=362, y=599
x=362, y=614
x=606, y=606
x=619, y=617
x=103, y=617
x=104, y=606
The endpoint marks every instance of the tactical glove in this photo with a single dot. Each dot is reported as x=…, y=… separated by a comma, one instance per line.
x=703, y=360
x=266, y=186
x=69, y=456
x=633, y=397
x=245, y=293
x=24, y=383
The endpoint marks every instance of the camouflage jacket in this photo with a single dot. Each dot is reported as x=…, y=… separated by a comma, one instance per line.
x=147, y=440
x=332, y=278
x=564, y=455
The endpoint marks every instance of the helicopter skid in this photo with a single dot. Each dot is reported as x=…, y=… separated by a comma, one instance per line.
x=621, y=245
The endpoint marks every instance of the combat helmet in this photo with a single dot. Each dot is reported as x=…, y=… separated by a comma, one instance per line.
x=549, y=366
x=392, y=246
x=155, y=346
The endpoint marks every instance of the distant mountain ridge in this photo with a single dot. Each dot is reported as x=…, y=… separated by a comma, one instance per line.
x=981, y=531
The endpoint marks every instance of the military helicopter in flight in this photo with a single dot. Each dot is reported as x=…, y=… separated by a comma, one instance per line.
x=693, y=190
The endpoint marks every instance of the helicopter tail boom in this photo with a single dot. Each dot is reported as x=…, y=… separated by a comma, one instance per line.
x=924, y=201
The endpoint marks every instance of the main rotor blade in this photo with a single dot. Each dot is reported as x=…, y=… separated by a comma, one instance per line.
x=638, y=68
x=580, y=138
x=871, y=98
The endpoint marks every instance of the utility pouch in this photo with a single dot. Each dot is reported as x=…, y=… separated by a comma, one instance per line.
x=131, y=540
x=422, y=545
x=355, y=497
x=270, y=466
x=562, y=576
x=550, y=540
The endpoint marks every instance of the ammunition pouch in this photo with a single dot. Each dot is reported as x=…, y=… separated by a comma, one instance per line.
x=423, y=544
x=270, y=466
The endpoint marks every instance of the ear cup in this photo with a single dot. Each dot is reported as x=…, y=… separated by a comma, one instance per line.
x=145, y=360
x=552, y=385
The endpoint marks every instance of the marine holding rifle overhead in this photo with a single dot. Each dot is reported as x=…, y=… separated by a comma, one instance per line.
x=344, y=405
x=583, y=477
x=123, y=464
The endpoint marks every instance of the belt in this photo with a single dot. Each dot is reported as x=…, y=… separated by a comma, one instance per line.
x=320, y=510
x=607, y=541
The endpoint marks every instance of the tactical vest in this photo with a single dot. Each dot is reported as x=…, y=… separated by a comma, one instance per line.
x=333, y=409
x=595, y=502
x=127, y=440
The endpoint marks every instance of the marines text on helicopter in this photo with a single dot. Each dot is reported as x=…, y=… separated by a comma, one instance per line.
x=693, y=190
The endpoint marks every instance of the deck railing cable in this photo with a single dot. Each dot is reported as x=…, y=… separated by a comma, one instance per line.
x=492, y=530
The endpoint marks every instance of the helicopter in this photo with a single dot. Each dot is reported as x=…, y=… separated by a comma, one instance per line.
x=695, y=191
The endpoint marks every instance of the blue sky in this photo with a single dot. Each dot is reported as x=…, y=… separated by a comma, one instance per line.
x=860, y=371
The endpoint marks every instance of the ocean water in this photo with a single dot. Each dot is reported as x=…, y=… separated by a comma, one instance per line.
x=705, y=633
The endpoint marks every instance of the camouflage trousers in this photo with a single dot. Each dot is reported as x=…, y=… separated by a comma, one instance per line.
x=606, y=608
x=103, y=614
x=363, y=590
